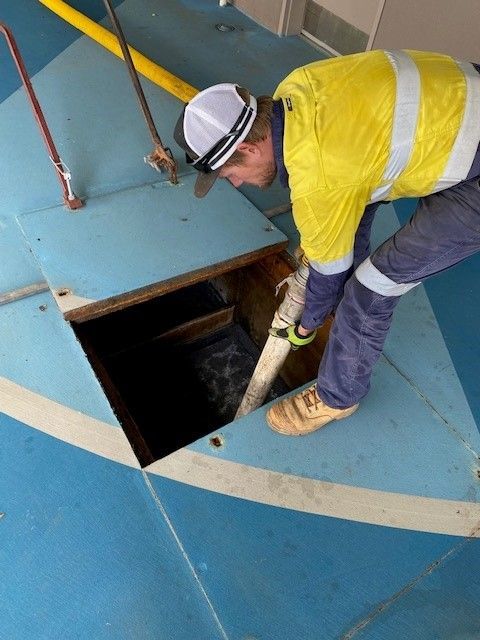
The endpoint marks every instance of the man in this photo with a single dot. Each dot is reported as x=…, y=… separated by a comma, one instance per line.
x=346, y=134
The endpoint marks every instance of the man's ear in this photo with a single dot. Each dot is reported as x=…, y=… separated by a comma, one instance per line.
x=248, y=147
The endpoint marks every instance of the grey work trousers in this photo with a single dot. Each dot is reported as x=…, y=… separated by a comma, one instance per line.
x=444, y=230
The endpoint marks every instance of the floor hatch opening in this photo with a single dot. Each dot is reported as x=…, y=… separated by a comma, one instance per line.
x=175, y=368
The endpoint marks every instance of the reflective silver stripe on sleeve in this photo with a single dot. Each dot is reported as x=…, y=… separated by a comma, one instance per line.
x=336, y=266
x=407, y=104
x=374, y=280
x=465, y=145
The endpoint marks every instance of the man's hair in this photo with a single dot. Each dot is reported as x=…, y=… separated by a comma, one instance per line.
x=261, y=125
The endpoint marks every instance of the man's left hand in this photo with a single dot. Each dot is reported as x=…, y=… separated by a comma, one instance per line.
x=291, y=333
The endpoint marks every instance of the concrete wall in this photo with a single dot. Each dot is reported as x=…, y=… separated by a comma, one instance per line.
x=435, y=25
x=361, y=14
x=347, y=25
x=283, y=17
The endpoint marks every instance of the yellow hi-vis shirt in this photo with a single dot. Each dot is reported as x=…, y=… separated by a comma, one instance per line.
x=369, y=127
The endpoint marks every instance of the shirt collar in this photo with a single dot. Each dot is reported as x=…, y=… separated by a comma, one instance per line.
x=278, y=119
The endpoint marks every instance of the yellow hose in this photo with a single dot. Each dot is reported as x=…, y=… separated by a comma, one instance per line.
x=143, y=65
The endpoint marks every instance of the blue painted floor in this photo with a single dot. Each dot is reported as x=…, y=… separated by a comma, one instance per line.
x=367, y=529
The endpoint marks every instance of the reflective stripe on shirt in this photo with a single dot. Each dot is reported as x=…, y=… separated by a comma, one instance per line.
x=405, y=116
x=464, y=148
x=335, y=266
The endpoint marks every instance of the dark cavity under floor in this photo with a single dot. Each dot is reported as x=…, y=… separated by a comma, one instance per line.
x=168, y=391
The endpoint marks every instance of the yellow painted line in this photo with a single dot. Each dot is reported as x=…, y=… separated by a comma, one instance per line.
x=142, y=64
x=308, y=495
x=65, y=424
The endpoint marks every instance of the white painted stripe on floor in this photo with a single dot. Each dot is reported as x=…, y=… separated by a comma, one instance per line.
x=66, y=424
x=242, y=481
x=318, y=497
x=68, y=301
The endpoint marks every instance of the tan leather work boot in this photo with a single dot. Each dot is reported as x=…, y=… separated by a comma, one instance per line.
x=304, y=413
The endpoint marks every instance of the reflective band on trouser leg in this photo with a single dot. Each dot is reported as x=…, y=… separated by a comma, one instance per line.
x=376, y=281
x=407, y=103
x=356, y=340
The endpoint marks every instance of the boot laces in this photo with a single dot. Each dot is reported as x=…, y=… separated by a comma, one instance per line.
x=310, y=398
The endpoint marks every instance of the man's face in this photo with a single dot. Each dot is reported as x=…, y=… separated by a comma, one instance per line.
x=257, y=166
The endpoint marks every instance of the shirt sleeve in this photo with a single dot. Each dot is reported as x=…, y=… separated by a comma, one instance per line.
x=322, y=295
x=327, y=221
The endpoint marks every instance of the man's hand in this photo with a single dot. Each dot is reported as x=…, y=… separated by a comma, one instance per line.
x=294, y=334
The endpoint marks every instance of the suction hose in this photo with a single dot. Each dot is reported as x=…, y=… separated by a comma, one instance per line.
x=276, y=350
